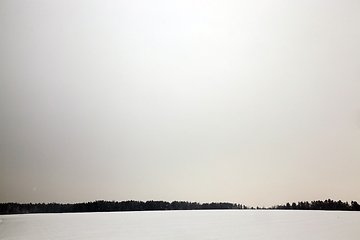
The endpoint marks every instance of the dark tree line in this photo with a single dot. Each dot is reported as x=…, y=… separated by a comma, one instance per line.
x=108, y=206
x=321, y=205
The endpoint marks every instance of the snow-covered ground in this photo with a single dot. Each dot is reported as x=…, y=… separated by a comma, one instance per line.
x=205, y=224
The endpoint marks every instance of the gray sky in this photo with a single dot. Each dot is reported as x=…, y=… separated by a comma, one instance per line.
x=255, y=102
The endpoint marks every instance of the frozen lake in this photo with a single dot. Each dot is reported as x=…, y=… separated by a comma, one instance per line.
x=192, y=224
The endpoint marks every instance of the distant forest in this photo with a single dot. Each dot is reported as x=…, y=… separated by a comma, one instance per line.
x=110, y=206
x=321, y=205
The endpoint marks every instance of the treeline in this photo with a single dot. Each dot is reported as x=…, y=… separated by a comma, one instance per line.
x=321, y=205
x=109, y=206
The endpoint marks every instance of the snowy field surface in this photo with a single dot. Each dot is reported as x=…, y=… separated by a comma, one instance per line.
x=203, y=224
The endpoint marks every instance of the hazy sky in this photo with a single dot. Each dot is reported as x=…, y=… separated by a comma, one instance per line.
x=254, y=102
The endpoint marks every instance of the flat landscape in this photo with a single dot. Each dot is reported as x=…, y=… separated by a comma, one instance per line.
x=191, y=224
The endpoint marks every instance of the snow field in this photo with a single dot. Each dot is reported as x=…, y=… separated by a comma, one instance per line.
x=192, y=224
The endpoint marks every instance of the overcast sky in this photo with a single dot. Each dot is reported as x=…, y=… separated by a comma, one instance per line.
x=254, y=102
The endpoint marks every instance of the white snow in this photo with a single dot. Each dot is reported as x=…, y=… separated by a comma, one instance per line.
x=203, y=224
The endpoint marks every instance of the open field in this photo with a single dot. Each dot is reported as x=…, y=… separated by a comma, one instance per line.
x=203, y=224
